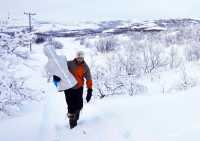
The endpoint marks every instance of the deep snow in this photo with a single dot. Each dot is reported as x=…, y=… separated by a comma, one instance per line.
x=153, y=118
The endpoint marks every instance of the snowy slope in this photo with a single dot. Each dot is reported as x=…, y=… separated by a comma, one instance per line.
x=173, y=117
x=139, y=118
x=155, y=118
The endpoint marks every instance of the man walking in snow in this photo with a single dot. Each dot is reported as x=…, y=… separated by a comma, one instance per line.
x=74, y=95
x=68, y=76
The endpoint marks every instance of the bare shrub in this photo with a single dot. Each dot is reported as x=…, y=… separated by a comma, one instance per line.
x=174, y=60
x=40, y=39
x=106, y=44
x=153, y=58
x=186, y=81
x=13, y=91
x=192, y=51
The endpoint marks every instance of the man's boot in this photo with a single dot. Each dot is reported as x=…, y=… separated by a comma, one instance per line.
x=77, y=114
x=72, y=123
x=72, y=120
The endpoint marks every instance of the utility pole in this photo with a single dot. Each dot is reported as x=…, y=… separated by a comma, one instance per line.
x=30, y=26
x=29, y=17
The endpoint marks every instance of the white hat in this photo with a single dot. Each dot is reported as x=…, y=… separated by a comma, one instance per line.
x=80, y=54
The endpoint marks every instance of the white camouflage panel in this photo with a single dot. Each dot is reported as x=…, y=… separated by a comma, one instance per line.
x=57, y=65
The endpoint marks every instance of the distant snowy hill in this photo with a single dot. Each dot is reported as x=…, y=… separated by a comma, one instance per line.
x=92, y=28
x=115, y=27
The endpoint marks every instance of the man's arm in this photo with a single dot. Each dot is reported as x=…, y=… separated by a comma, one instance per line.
x=88, y=77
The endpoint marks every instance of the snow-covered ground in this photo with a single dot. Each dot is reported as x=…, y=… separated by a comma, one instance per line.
x=153, y=117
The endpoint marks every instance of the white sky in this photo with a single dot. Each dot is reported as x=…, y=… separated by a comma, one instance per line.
x=83, y=10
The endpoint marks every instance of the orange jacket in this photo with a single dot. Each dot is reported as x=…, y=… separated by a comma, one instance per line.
x=80, y=71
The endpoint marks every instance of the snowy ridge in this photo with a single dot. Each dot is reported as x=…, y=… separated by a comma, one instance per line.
x=105, y=27
x=119, y=27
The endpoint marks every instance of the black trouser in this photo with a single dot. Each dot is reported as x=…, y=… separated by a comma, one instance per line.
x=74, y=99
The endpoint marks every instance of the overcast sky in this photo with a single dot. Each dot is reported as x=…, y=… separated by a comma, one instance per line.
x=84, y=10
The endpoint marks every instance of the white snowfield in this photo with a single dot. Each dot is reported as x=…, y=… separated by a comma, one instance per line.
x=174, y=117
x=152, y=118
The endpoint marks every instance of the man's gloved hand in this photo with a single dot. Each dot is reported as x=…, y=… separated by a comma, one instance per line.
x=89, y=95
x=56, y=80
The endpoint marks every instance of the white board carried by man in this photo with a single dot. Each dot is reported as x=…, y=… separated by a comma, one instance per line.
x=57, y=67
